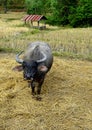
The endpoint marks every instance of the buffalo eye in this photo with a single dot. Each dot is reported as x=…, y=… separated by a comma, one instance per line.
x=24, y=64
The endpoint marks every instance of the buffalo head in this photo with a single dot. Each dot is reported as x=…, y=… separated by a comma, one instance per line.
x=31, y=69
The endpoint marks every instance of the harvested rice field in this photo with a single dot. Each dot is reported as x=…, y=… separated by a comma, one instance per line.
x=66, y=97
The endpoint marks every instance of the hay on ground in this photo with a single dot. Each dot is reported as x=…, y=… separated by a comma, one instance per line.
x=66, y=97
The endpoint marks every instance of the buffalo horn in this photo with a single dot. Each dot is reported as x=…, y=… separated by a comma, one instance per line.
x=20, y=61
x=43, y=59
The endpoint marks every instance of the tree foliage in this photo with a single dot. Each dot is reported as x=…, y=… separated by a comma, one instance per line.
x=77, y=13
x=82, y=15
x=35, y=6
x=12, y=4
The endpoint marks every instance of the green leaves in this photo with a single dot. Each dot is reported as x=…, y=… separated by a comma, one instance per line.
x=76, y=13
x=35, y=6
x=83, y=14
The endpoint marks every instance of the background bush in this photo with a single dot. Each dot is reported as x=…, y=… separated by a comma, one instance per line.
x=75, y=13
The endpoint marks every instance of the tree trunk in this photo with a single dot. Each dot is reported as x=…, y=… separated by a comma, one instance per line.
x=5, y=6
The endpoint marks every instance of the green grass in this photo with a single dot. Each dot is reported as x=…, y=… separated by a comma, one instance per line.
x=8, y=50
x=65, y=42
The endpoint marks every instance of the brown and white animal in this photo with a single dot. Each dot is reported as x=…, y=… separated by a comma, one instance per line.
x=36, y=62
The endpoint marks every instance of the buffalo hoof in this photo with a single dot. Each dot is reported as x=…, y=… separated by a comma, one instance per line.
x=38, y=98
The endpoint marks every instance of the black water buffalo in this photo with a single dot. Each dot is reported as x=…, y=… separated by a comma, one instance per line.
x=36, y=62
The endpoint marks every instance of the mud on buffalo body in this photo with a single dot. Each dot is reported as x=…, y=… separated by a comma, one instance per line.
x=36, y=62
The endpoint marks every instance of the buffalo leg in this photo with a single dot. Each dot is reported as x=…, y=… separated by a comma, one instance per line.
x=38, y=93
x=39, y=90
x=39, y=87
x=33, y=87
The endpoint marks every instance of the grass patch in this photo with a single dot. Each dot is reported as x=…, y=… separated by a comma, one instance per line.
x=72, y=55
x=11, y=19
x=20, y=25
x=65, y=42
x=31, y=31
x=8, y=50
x=66, y=54
x=89, y=58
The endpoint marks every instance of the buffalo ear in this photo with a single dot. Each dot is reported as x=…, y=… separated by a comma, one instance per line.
x=43, y=68
x=18, y=68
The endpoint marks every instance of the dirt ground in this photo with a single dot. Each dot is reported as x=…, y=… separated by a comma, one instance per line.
x=66, y=97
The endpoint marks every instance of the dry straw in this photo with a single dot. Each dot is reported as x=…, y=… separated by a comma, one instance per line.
x=66, y=97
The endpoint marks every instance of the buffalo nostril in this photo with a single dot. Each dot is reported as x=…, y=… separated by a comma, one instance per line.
x=31, y=78
x=27, y=77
